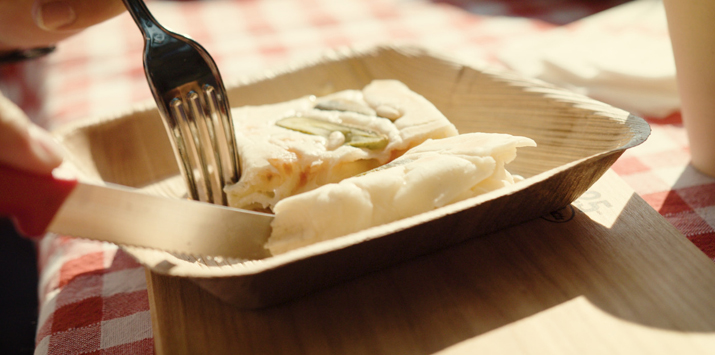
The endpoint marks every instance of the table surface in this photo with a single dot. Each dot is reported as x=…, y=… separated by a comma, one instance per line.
x=94, y=297
x=609, y=276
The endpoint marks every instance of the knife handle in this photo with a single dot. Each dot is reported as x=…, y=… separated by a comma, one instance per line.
x=32, y=200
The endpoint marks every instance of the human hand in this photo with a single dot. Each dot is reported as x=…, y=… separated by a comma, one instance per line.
x=39, y=23
x=24, y=145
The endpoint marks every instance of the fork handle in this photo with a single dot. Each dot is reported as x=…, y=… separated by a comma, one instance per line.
x=150, y=28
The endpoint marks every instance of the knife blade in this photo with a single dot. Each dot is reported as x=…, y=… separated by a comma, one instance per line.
x=125, y=216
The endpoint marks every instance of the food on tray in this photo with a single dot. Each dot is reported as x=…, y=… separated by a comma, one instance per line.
x=355, y=159
x=431, y=175
x=296, y=146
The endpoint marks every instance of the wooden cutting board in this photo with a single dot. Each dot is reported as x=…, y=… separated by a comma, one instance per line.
x=607, y=275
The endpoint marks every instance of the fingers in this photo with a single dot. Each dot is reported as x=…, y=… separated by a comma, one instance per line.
x=39, y=23
x=24, y=145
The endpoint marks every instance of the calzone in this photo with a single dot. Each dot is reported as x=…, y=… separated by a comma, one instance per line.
x=429, y=176
x=299, y=145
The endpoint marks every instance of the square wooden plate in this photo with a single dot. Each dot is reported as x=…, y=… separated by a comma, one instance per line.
x=578, y=140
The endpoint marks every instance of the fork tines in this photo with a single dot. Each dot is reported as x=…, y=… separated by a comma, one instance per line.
x=204, y=137
x=191, y=99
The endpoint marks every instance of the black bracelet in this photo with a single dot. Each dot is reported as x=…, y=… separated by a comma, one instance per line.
x=25, y=54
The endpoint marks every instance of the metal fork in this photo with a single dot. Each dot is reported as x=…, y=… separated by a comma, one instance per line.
x=191, y=97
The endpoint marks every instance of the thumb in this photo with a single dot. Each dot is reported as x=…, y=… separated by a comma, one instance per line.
x=39, y=23
x=24, y=145
x=73, y=15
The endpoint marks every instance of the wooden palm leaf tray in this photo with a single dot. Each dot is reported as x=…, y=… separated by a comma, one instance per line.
x=578, y=140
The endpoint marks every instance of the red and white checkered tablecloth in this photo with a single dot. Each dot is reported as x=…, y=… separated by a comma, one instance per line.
x=93, y=297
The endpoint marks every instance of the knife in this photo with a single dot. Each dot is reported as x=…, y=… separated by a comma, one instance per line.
x=125, y=216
